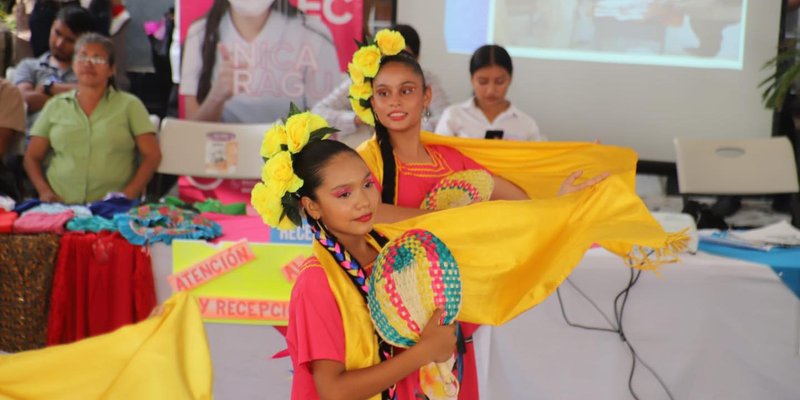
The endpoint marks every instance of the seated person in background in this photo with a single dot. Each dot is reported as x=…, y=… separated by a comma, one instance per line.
x=43, y=77
x=12, y=122
x=95, y=133
x=12, y=116
x=336, y=109
x=489, y=114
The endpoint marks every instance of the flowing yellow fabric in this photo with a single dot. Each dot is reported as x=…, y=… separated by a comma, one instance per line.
x=513, y=254
x=361, y=347
x=163, y=357
x=539, y=168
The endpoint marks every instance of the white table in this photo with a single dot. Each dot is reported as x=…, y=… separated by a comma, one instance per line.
x=711, y=327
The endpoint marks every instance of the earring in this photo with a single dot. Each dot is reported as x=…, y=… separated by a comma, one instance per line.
x=426, y=115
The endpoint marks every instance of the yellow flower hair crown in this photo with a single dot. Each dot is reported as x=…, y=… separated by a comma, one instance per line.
x=364, y=67
x=275, y=197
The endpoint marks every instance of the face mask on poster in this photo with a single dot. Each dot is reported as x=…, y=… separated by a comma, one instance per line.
x=250, y=8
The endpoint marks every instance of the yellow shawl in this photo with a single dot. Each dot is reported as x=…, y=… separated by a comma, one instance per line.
x=163, y=357
x=361, y=347
x=513, y=254
x=539, y=168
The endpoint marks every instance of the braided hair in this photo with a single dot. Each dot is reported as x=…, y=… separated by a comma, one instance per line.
x=307, y=165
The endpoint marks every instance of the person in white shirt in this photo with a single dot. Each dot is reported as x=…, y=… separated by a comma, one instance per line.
x=246, y=60
x=488, y=114
x=336, y=109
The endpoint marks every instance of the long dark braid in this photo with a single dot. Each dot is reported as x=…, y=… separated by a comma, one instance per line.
x=355, y=271
x=211, y=39
x=308, y=165
x=389, y=178
x=209, y=47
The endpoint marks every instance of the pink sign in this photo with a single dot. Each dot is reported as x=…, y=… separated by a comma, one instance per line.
x=343, y=17
x=292, y=270
x=247, y=309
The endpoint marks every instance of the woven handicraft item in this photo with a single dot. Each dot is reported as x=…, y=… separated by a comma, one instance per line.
x=27, y=264
x=414, y=275
x=459, y=189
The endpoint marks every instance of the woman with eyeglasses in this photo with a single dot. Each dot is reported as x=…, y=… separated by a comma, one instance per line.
x=95, y=134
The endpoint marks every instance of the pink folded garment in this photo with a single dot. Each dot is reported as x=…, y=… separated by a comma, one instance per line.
x=39, y=222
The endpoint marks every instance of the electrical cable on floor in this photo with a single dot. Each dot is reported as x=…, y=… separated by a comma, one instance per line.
x=619, y=307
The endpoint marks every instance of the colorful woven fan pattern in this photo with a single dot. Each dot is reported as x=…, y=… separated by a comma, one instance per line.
x=413, y=275
x=459, y=189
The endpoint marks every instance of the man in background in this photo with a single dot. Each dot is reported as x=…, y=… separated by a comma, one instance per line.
x=39, y=79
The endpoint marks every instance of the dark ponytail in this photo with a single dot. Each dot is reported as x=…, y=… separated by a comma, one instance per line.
x=211, y=39
x=355, y=271
x=389, y=177
x=208, y=50
x=488, y=55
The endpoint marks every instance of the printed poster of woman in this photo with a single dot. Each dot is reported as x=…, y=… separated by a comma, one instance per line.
x=244, y=60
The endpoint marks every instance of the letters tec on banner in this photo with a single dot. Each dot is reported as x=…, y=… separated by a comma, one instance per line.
x=344, y=19
x=238, y=288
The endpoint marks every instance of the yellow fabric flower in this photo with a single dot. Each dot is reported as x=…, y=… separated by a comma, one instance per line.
x=299, y=128
x=275, y=137
x=368, y=60
x=355, y=73
x=279, y=175
x=365, y=114
x=390, y=42
x=361, y=91
x=267, y=203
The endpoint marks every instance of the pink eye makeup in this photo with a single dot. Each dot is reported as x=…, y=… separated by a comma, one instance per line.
x=341, y=192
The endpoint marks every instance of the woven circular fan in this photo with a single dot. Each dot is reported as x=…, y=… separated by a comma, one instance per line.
x=414, y=275
x=459, y=189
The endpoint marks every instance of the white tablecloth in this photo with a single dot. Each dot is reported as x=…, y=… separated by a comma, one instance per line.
x=711, y=327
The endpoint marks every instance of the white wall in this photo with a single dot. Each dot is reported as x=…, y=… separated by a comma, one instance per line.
x=632, y=105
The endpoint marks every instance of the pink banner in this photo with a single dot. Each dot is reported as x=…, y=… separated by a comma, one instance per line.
x=343, y=17
x=292, y=270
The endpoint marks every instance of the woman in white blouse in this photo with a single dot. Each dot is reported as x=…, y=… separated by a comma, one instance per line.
x=488, y=114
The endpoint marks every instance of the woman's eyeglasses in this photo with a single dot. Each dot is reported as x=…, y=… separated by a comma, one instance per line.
x=94, y=60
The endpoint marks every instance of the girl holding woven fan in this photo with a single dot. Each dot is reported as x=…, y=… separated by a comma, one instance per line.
x=331, y=340
x=332, y=333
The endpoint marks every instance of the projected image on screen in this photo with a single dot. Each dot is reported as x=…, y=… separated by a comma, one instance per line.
x=690, y=33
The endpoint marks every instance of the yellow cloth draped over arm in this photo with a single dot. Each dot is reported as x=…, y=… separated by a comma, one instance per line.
x=163, y=357
x=361, y=346
x=539, y=168
x=513, y=254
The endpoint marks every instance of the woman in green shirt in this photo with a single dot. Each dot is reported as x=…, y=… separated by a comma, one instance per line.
x=94, y=132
